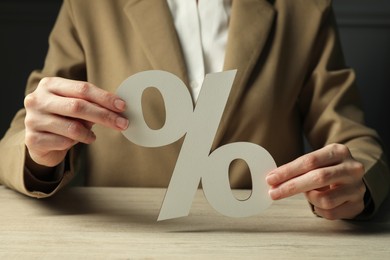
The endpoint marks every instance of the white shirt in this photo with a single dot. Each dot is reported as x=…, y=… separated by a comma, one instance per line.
x=202, y=29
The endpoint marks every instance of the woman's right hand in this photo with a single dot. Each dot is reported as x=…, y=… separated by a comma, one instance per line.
x=61, y=112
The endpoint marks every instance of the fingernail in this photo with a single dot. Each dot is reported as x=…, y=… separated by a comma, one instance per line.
x=274, y=194
x=119, y=104
x=92, y=136
x=122, y=123
x=89, y=138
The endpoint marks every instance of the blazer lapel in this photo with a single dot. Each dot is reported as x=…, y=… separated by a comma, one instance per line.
x=153, y=24
x=250, y=24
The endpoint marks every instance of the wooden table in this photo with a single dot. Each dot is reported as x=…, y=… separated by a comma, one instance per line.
x=120, y=223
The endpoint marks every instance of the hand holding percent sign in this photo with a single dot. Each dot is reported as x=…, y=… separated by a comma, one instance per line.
x=195, y=163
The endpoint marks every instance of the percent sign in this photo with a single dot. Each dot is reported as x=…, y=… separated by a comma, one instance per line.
x=195, y=163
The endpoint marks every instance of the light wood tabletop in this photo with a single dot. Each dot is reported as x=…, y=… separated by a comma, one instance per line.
x=120, y=223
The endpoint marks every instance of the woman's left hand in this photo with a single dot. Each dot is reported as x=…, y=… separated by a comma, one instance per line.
x=331, y=179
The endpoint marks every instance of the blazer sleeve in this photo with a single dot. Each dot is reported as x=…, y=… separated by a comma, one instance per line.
x=65, y=59
x=333, y=113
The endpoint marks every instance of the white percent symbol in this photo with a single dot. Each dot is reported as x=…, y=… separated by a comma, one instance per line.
x=195, y=164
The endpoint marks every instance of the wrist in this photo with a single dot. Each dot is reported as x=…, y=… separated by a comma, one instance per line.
x=41, y=172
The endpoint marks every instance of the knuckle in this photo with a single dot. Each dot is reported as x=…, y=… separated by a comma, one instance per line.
x=76, y=133
x=31, y=139
x=30, y=101
x=310, y=161
x=29, y=122
x=358, y=167
x=355, y=169
x=76, y=106
x=322, y=177
x=45, y=82
x=362, y=190
x=340, y=151
x=74, y=129
x=106, y=96
x=82, y=89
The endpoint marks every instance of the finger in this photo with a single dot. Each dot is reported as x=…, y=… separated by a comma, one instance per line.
x=61, y=126
x=348, y=210
x=49, y=159
x=47, y=149
x=87, y=124
x=82, y=109
x=335, y=196
x=348, y=172
x=86, y=91
x=327, y=156
x=44, y=142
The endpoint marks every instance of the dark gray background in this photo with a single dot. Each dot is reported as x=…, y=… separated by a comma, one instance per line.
x=364, y=29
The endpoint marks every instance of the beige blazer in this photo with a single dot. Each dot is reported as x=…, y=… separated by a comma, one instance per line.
x=291, y=81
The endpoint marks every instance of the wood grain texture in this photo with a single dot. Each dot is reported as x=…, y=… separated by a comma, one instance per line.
x=120, y=223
